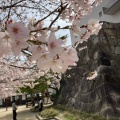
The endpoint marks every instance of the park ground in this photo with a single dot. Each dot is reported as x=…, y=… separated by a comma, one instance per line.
x=63, y=113
x=23, y=113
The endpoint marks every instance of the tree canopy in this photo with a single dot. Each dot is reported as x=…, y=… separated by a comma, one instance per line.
x=28, y=44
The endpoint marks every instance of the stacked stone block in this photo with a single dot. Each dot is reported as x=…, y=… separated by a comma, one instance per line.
x=102, y=94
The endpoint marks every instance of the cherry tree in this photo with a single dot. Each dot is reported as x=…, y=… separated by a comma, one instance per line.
x=14, y=74
x=23, y=31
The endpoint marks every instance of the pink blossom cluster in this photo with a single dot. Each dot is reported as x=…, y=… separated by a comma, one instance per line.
x=51, y=54
x=48, y=51
x=75, y=12
x=14, y=38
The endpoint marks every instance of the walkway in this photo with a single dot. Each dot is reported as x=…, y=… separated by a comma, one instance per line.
x=23, y=113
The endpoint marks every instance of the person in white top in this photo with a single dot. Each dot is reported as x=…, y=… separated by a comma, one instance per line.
x=14, y=108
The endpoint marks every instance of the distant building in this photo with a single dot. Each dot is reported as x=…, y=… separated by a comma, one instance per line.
x=20, y=100
x=108, y=10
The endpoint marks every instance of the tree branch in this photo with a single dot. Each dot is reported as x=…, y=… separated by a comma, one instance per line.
x=62, y=8
x=9, y=12
x=24, y=67
x=48, y=15
x=10, y=6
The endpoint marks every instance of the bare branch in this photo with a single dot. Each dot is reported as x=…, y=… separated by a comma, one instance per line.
x=62, y=8
x=24, y=67
x=56, y=10
x=5, y=7
x=9, y=12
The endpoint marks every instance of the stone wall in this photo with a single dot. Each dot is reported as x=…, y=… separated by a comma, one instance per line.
x=102, y=94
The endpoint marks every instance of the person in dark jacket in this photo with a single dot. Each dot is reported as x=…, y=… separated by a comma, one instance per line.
x=41, y=104
x=14, y=108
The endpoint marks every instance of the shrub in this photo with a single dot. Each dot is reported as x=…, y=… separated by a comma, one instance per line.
x=49, y=113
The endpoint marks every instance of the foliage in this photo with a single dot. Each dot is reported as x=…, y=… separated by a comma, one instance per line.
x=49, y=113
x=37, y=88
x=41, y=86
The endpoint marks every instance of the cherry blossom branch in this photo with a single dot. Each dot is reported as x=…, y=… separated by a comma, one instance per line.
x=62, y=8
x=5, y=7
x=56, y=10
x=47, y=28
x=24, y=67
x=24, y=6
x=9, y=12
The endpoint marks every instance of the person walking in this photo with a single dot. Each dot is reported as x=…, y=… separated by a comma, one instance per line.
x=41, y=104
x=14, y=108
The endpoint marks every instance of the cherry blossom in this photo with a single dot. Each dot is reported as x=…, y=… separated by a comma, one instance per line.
x=94, y=26
x=5, y=43
x=92, y=75
x=43, y=39
x=18, y=31
x=54, y=45
x=75, y=29
x=71, y=58
x=12, y=78
x=55, y=65
x=18, y=45
x=89, y=2
x=37, y=50
x=85, y=37
x=98, y=2
x=43, y=61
